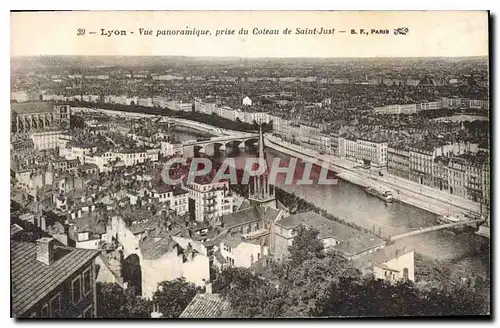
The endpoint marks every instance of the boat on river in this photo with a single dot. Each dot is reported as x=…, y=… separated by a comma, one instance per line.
x=446, y=219
x=385, y=195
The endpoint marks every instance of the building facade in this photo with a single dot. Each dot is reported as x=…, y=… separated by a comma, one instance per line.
x=240, y=253
x=210, y=200
x=65, y=280
x=398, y=162
x=49, y=139
x=373, y=153
x=421, y=164
x=465, y=176
x=39, y=116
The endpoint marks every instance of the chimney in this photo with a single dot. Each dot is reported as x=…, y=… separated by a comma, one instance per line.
x=43, y=224
x=45, y=250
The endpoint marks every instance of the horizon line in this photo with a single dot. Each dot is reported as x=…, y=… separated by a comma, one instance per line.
x=247, y=57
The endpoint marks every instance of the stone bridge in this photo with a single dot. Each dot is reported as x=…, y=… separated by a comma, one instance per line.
x=208, y=146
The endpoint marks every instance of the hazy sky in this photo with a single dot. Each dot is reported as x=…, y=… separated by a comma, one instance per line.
x=431, y=33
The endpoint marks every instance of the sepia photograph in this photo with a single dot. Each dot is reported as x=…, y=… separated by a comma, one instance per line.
x=250, y=164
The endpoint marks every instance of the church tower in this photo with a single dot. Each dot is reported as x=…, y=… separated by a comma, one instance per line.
x=261, y=192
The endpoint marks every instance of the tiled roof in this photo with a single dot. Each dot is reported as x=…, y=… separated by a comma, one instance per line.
x=241, y=217
x=153, y=248
x=90, y=222
x=147, y=222
x=268, y=213
x=359, y=243
x=381, y=256
x=32, y=280
x=207, y=306
x=231, y=240
x=244, y=205
x=14, y=228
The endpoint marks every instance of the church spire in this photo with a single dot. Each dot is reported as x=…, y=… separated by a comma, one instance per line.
x=262, y=194
x=262, y=187
x=261, y=143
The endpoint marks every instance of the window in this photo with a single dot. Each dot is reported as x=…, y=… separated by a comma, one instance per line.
x=45, y=311
x=88, y=312
x=76, y=290
x=87, y=281
x=55, y=306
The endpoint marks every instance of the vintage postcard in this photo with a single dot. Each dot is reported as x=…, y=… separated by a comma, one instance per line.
x=250, y=164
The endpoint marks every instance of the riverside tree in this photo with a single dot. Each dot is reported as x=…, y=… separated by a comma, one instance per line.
x=315, y=283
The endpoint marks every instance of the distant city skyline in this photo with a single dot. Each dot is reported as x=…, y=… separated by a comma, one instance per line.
x=253, y=58
x=431, y=34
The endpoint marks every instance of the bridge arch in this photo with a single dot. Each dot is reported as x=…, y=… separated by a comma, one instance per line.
x=233, y=142
x=251, y=141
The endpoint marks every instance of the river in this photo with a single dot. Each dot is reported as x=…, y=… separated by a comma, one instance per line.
x=351, y=203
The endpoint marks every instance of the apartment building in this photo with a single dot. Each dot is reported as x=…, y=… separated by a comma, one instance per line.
x=209, y=201
x=260, y=117
x=24, y=96
x=204, y=107
x=50, y=139
x=131, y=157
x=101, y=159
x=398, y=162
x=433, y=105
x=163, y=259
x=466, y=176
x=368, y=152
x=77, y=151
x=238, y=252
x=421, y=164
x=407, y=109
x=179, y=106
x=177, y=197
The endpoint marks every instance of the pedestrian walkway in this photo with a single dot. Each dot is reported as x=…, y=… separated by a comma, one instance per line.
x=448, y=199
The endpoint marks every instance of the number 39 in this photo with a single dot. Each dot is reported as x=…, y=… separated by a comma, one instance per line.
x=81, y=31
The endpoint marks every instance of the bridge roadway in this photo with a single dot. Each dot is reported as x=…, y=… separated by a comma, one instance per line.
x=222, y=139
x=434, y=228
x=187, y=123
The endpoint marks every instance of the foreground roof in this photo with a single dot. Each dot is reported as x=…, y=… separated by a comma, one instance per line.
x=359, y=244
x=207, y=306
x=381, y=256
x=327, y=228
x=32, y=280
x=14, y=228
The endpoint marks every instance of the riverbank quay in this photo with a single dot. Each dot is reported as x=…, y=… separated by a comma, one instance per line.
x=403, y=190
